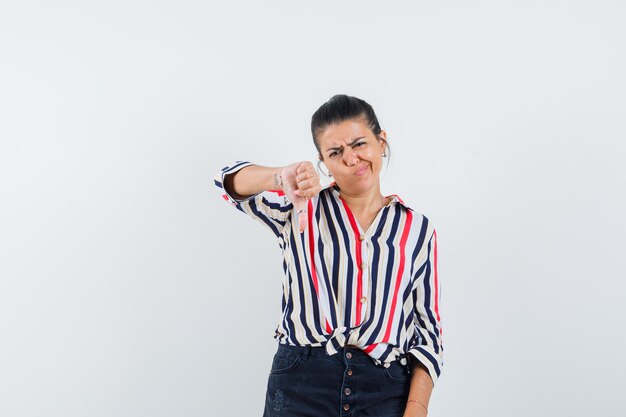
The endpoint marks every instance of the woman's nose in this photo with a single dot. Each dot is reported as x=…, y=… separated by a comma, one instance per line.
x=350, y=157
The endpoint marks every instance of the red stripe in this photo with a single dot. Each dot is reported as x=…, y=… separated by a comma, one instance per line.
x=312, y=261
x=225, y=197
x=279, y=192
x=403, y=239
x=436, y=277
x=359, y=278
x=370, y=348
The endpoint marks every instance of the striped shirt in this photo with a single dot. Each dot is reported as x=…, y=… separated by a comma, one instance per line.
x=377, y=289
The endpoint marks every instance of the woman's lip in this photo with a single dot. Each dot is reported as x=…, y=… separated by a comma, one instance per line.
x=361, y=170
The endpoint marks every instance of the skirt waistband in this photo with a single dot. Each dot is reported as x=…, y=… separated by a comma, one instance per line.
x=352, y=353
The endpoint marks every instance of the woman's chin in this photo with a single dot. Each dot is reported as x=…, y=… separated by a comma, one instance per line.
x=355, y=186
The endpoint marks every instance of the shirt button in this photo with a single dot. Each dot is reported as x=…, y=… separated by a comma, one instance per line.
x=363, y=300
x=363, y=265
x=349, y=355
x=349, y=372
x=347, y=391
x=361, y=237
x=346, y=407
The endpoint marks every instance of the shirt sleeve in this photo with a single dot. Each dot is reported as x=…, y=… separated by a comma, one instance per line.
x=426, y=346
x=271, y=208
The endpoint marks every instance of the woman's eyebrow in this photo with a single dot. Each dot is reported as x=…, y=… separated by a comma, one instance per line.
x=349, y=144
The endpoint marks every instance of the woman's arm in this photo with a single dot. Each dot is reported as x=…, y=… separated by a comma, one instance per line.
x=426, y=347
x=419, y=393
x=299, y=182
x=253, y=179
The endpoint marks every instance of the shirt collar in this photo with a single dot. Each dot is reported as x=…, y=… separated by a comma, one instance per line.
x=395, y=198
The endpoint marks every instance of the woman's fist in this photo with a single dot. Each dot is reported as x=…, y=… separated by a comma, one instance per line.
x=300, y=183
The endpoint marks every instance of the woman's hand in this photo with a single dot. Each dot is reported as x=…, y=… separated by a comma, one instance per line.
x=300, y=183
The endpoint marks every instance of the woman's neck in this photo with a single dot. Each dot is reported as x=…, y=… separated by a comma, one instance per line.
x=370, y=202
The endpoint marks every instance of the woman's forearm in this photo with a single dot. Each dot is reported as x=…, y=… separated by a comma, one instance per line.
x=419, y=393
x=251, y=180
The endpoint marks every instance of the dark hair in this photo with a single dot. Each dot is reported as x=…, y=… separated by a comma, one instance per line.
x=342, y=107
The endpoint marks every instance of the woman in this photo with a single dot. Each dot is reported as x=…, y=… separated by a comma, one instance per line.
x=360, y=333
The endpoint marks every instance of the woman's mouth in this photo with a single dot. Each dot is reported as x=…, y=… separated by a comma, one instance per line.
x=360, y=171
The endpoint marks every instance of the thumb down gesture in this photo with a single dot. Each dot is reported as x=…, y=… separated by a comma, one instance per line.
x=300, y=183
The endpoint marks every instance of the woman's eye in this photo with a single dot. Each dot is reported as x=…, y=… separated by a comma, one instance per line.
x=333, y=154
x=359, y=144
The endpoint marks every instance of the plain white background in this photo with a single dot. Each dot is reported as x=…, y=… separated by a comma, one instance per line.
x=129, y=288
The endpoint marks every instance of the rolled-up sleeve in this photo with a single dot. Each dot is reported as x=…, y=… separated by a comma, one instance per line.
x=270, y=208
x=426, y=345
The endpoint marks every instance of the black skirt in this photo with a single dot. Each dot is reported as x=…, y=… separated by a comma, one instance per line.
x=307, y=382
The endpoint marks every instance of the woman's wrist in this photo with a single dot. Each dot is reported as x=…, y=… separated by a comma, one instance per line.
x=278, y=179
x=415, y=408
x=417, y=403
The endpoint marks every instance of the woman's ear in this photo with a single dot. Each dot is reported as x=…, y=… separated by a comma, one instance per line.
x=382, y=138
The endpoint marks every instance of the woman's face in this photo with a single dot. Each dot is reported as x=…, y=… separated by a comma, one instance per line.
x=353, y=155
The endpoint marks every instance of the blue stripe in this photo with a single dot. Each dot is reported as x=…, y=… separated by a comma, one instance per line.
x=334, y=244
x=374, y=282
x=430, y=358
x=420, y=242
x=427, y=304
x=288, y=323
x=301, y=283
x=388, y=278
x=324, y=271
x=276, y=206
x=402, y=323
x=314, y=301
x=263, y=217
x=226, y=170
x=386, y=352
x=347, y=246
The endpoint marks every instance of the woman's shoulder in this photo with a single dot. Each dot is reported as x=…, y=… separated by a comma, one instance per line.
x=419, y=219
x=328, y=191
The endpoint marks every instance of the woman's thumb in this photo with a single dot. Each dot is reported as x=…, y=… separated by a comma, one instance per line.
x=301, y=211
